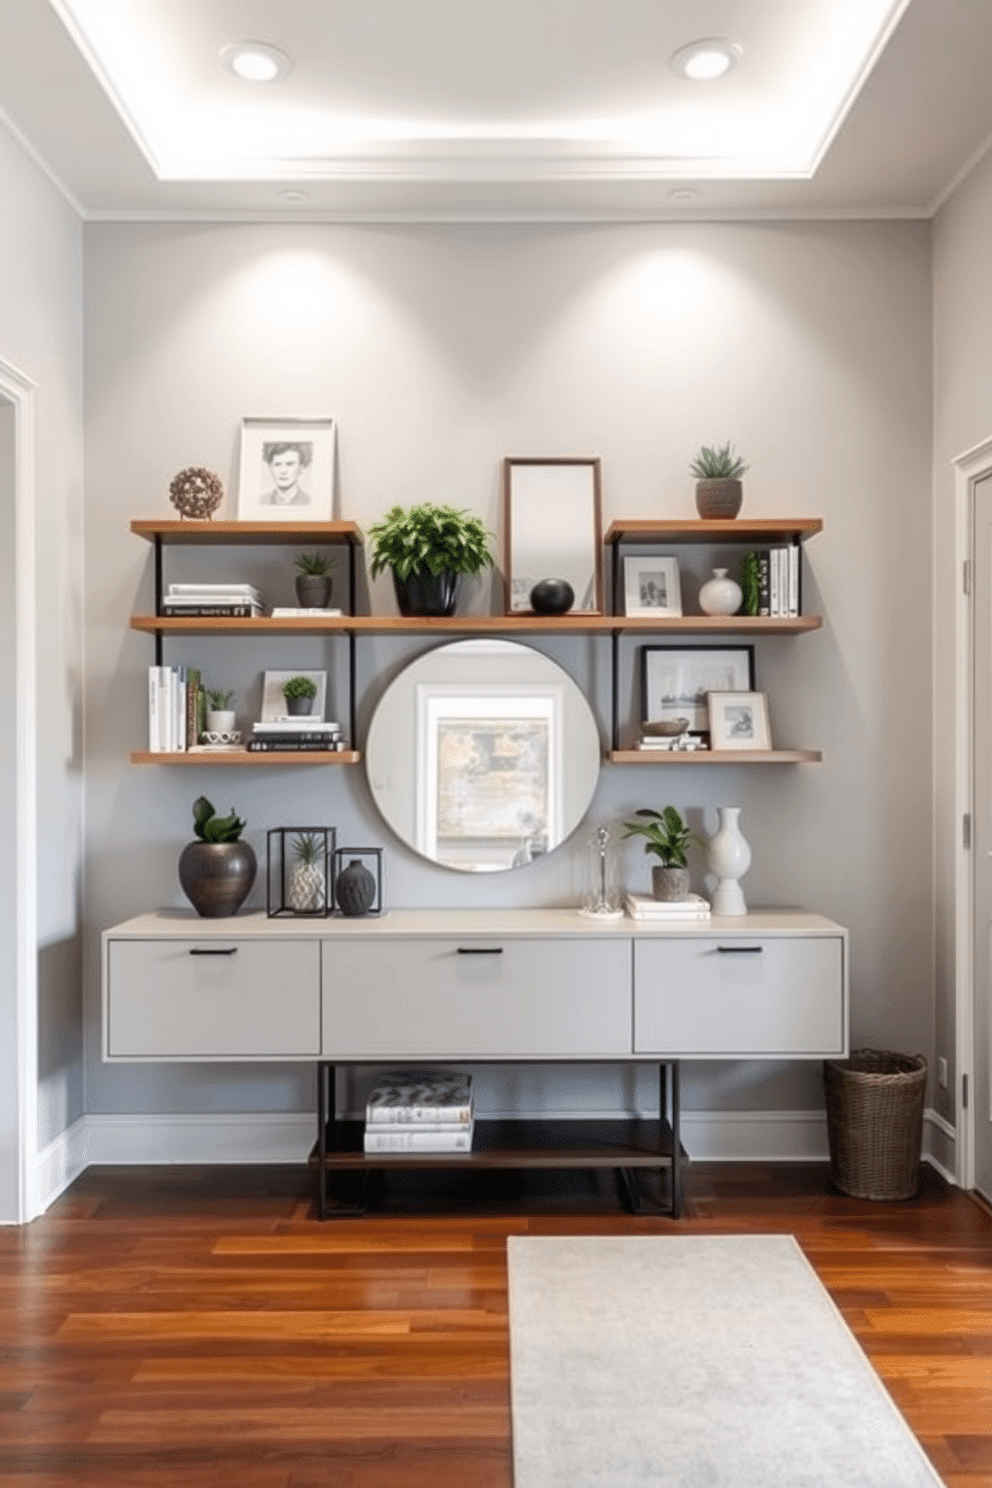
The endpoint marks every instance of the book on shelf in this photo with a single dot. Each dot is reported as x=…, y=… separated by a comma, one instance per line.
x=167, y=709
x=290, y=612
x=273, y=736
x=419, y=1138
x=677, y=745
x=779, y=584
x=212, y=591
x=301, y=723
x=643, y=907
x=414, y=1100
x=279, y=745
x=184, y=611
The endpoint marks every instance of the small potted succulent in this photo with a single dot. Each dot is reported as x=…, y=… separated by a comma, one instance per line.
x=666, y=836
x=313, y=582
x=299, y=693
x=217, y=869
x=428, y=547
x=719, y=492
x=220, y=714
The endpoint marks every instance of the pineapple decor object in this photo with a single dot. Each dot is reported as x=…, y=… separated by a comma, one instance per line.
x=305, y=889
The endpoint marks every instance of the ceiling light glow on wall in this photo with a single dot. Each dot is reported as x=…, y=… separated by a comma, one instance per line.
x=256, y=61
x=704, y=61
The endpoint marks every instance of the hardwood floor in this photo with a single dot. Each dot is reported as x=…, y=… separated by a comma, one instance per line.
x=198, y=1328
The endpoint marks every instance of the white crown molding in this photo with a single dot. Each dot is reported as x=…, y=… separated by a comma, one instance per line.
x=35, y=156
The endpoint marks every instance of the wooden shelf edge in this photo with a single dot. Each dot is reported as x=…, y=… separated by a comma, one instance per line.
x=696, y=530
x=494, y=625
x=715, y=757
x=179, y=531
x=246, y=757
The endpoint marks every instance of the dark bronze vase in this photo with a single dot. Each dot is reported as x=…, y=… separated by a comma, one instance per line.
x=355, y=889
x=427, y=594
x=217, y=876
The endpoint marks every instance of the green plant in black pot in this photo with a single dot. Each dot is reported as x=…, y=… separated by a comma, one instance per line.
x=428, y=547
x=667, y=837
x=217, y=870
x=313, y=581
x=719, y=492
x=299, y=693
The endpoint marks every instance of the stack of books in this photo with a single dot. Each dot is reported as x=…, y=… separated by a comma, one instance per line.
x=175, y=708
x=212, y=599
x=779, y=581
x=659, y=911
x=674, y=743
x=420, y=1113
x=294, y=733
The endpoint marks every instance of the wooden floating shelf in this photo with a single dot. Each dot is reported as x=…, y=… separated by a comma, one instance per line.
x=715, y=756
x=759, y=530
x=182, y=533
x=247, y=757
x=495, y=625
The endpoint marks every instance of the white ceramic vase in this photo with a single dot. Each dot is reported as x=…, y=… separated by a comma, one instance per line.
x=729, y=857
x=720, y=595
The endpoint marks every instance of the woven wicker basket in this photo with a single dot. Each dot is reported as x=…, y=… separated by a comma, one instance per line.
x=875, y=1122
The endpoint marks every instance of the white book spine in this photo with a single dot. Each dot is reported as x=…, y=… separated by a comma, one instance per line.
x=154, y=738
x=181, y=710
x=164, y=708
x=794, y=560
x=418, y=1141
x=419, y=1116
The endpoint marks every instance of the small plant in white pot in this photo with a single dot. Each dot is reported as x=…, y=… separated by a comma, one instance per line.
x=666, y=836
x=305, y=890
x=220, y=714
x=299, y=693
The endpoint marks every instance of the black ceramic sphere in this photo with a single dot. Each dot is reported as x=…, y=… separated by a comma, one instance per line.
x=552, y=597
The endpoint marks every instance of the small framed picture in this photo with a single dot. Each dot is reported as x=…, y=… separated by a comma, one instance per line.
x=651, y=586
x=739, y=720
x=286, y=471
x=676, y=681
x=274, y=702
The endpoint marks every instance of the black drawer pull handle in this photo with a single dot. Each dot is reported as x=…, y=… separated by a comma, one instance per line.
x=213, y=951
x=740, y=950
x=480, y=950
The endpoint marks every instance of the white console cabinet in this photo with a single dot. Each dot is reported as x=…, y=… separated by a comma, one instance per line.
x=465, y=986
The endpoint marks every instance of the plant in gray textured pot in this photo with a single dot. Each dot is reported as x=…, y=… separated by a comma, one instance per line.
x=719, y=491
x=313, y=582
x=299, y=693
x=428, y=547
x=667, y=837
x=218, y=869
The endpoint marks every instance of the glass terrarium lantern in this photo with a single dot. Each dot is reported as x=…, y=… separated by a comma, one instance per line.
x=299, y=867
x=601, y=898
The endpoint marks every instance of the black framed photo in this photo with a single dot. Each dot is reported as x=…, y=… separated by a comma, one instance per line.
x=676, y=680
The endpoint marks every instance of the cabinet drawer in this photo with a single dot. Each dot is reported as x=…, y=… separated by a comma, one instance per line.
x=739, y=996
x=240, y=1000
x=509, y=999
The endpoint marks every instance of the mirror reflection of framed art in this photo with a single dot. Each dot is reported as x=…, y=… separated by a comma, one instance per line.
x=552, y=524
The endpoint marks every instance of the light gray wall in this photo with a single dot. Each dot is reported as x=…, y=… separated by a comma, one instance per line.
x=40, y=334
x=440, y=350
x=962, y=308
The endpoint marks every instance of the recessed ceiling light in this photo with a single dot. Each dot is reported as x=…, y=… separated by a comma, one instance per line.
x=293, y=198
x=702, y=61
x=256, y=61
x=682, y=195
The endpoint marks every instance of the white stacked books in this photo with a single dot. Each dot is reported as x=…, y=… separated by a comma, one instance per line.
x=420, y=1113
x=300, y=733
x=643, y=907
x=212, y=599
x=167, y=713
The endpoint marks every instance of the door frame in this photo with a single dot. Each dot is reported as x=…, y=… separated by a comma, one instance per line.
x=969, y=467
x=19, y=390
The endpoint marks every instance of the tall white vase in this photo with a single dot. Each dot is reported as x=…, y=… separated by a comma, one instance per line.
x=729, y=857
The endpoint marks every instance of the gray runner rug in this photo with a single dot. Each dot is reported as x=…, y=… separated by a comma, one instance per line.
x=702, y=1361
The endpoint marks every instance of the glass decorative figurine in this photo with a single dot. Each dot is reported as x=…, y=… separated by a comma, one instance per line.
x=602, y=895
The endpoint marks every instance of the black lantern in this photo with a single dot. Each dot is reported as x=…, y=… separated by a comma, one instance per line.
x=300, y=871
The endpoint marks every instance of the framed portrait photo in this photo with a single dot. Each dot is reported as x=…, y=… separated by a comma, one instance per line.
x=553, y=529
x=286, y=470
x=651, y=586
x=676, y=681
x=739, y=720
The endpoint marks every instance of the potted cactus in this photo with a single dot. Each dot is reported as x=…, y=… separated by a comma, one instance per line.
x=313, y=582
x=428, y=548
x=217, y=869
x=306, y=891
x=718, y=472
x=299, y=693
x=667, y=837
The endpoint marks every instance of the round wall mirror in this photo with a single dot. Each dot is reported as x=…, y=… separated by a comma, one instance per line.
x=483, y=755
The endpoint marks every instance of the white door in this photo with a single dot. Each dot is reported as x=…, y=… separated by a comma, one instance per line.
x=981, y=1097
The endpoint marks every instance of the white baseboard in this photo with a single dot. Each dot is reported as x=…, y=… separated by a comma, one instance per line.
x=287, y=1137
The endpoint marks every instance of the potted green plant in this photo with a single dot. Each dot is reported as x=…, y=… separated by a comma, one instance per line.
x=220, y=714
x=313, y=582
x=719, y=491
x=217, y=869
x=667, y=837
x=299, y=693
x=428, y=547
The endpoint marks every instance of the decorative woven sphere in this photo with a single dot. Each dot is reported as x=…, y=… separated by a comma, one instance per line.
x=196, y=492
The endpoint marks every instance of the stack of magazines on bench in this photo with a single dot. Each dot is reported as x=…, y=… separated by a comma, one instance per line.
x=414, y=1112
